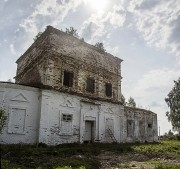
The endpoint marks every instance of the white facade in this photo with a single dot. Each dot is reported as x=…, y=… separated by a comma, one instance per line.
x=52, y=117
x=23, y=113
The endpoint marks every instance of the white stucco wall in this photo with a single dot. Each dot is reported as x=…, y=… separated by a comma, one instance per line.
x=54, y=104
x=21, y=104
x=53, y=117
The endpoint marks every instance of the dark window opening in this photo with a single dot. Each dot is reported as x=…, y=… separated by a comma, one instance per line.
x=90, y=86
x=108, y=89
x=68, y=79
x=67, y=117
x=149, y=125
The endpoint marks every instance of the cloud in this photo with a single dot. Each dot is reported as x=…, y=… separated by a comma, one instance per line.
x=158, y=22
x=112, y=50
x=150, y=92
x=159, y=81
x=12, y=49
x=118, y=16
x=48, y=12
x=99, y=24
x=92, y=29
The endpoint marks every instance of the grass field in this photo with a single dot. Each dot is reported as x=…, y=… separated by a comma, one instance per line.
x=163, y=155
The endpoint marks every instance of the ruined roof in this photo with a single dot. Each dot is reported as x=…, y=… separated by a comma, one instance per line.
x=68, y=45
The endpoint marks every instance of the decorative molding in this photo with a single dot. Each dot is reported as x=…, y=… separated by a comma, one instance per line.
x=109, y=110
x=68, y=101
x=20, y=98
x=89, y=118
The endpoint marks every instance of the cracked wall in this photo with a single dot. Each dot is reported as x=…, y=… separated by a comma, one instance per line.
x=44, y=63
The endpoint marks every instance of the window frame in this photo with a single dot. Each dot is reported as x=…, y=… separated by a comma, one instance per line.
x=67, y=117
x=108, y=90
x=89, y=88
x=68, y=82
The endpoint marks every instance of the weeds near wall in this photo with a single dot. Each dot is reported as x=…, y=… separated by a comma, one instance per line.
x=86, y=156
x=3, y=118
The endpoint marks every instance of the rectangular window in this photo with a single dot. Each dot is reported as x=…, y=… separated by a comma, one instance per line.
x=108, y=90
x=67, y=117
x=68, y=79
x=17, y=121
x=90, y=86
x=149, y=125
x=66, y=124
x=149, y=130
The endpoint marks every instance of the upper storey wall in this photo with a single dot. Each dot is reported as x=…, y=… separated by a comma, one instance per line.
x=68, y=45
x=65, y=63
x=57, y=41
x=32, y=54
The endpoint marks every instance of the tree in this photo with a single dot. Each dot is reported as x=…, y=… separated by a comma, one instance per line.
x=123, y=100
x=37, y=36
x=2, y=119
x=100, y=46
x=170, y=133
x=173, y=102
x=9, y=80
x=72, y=31
x=131, y=102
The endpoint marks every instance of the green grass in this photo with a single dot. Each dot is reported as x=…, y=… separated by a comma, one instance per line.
x=167, y=148
x=172, y=166
x=78, y=156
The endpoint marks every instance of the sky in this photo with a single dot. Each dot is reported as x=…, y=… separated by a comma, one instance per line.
x=144, y=33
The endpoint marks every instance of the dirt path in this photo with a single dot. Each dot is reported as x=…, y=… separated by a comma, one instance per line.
x=110, y=160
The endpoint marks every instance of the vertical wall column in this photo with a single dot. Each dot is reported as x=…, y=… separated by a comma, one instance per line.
x=44, y=120
x=81, y=131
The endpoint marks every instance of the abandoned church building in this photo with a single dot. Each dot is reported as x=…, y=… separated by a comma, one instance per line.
x=68, y=91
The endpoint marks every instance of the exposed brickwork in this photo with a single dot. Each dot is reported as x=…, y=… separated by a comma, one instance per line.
x=54, y=52
x=143, y=124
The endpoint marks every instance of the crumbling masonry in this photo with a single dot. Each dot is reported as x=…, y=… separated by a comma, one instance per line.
x=68, y=91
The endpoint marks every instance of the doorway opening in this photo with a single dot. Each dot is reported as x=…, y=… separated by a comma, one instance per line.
x=89, y=131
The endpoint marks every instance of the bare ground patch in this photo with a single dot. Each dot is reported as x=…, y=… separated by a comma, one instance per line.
x=110, y=160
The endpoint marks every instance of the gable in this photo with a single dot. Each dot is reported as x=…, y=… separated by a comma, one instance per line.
x=20, y=98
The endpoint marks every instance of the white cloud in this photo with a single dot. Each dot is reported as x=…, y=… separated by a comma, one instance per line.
x=99, y=24
x=48, y=12
x=155, y=81
x=12, y=49
x=158, y=22
x=150, y=92
x=112, y=50
x=117, y=16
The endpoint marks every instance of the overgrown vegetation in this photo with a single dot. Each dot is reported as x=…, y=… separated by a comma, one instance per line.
x=2, y=119
x=72, y=31
x=79, y=156
x=164, y=148
x=37, y=36
x=131, y=102
x=100, y=47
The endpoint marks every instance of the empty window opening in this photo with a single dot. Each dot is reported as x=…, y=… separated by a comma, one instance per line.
x=108, y=90
x=149, y=126
x=67, y=117
x=130, y=128
x=68, y=79
x=90, y=86
x=141, y=128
